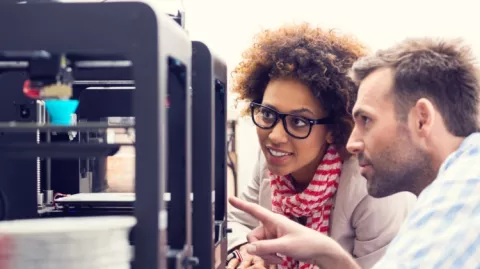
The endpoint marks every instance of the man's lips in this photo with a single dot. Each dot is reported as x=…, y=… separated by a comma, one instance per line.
x=363, y=162
x=365, y=169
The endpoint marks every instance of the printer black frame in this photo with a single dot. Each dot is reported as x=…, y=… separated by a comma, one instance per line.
x=209, y=83
x=148, y=40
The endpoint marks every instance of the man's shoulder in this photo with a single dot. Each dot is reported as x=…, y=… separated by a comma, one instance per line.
x=467, y=152
x=446, y=217
x=456, y=185
x=459, y=174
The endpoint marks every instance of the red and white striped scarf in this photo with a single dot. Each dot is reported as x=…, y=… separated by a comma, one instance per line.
x=314, y=203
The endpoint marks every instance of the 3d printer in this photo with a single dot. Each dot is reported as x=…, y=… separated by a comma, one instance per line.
x=130, y=72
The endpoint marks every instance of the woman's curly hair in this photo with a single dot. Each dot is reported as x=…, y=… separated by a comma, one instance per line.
x=321, y=59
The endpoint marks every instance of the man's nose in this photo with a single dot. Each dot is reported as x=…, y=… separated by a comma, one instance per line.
x=355, y=145
x=278, y=134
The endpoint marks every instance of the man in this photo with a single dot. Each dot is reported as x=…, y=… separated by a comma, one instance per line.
x=415, y=130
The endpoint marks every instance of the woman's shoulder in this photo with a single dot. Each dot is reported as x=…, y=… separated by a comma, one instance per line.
x=352, y=194
x=351, y=179
x=352, y=187
x=261, y=168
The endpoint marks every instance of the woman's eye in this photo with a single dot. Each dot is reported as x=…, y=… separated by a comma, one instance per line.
x=267, y=114
x=299, y=122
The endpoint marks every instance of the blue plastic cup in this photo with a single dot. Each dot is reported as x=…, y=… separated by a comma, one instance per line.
x=60, y=111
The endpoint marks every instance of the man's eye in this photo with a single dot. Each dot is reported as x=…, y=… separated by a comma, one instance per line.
x=365, y=119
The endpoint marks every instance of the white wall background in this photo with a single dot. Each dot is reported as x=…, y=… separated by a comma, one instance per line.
x=228, y=26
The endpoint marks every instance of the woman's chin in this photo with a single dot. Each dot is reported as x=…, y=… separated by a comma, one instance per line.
x=279, y=171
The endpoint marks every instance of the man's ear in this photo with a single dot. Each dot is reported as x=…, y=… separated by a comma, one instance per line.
x=423, y=115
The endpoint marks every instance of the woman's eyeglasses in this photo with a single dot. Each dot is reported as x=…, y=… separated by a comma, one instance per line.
x=296, y=126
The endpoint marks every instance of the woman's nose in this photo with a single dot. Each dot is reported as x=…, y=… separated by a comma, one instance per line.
x=278, y=134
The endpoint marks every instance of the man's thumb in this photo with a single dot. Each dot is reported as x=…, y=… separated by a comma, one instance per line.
x=266, y=247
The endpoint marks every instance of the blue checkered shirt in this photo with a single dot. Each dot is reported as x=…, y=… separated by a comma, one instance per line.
x=443, y=229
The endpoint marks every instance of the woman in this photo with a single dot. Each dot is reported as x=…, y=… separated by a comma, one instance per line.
x=296, y=82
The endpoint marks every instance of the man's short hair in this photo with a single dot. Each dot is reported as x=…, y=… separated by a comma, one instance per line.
x=442, y=71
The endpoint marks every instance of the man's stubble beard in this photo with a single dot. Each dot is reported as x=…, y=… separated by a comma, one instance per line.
x=400, y=167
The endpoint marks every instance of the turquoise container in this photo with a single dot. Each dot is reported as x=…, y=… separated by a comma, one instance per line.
x=60, y=111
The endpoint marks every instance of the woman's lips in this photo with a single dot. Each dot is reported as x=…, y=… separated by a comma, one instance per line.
x=277, y=156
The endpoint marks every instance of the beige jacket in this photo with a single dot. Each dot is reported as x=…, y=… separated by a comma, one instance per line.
x=361, y=224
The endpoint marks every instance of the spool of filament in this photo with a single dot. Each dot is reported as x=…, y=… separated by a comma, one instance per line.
x=59, y=243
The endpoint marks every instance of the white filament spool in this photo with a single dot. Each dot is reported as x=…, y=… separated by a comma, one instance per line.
x=59, y=243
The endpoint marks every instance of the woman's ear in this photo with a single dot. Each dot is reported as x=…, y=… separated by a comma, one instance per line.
x=343, y=152
x=330, y=137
